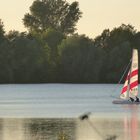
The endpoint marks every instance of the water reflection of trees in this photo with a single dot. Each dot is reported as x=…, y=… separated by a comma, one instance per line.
x=50, y=129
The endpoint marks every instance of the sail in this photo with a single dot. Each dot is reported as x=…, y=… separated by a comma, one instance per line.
x=133, y=89
x=124, y=92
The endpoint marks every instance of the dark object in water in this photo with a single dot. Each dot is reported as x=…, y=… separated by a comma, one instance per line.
x=114, y=137
x=85, y=116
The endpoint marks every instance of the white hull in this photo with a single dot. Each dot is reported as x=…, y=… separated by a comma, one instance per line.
x=119, y=101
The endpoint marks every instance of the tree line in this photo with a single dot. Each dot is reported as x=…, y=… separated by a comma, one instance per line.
x=51, y=51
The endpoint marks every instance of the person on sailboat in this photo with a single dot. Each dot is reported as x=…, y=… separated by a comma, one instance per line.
x=137, y=99
x=134, y=100
x=131, y=99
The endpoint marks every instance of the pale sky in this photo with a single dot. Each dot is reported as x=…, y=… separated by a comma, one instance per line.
x=97, y=14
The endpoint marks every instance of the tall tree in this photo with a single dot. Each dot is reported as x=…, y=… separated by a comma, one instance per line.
x=29, y=61
x=117, y=44
x=1, y=31
x=111, y=39
x=56, y=14
x=80, y=60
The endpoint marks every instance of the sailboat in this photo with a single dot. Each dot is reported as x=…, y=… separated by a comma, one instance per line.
x=129, y=91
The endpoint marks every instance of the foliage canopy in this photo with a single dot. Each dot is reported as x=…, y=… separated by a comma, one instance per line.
x=56, y=14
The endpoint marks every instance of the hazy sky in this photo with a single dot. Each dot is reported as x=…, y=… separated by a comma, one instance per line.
x=97, y=14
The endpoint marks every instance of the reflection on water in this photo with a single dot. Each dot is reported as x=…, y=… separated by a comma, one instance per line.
x=125, y=127
x=37, y=129
x=131, y=124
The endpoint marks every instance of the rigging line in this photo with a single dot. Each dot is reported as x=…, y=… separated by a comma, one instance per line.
x=124, y=72
x=121, y=77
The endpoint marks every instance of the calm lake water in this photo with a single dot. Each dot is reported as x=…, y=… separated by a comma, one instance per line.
x=58, y=100
x=51, y=112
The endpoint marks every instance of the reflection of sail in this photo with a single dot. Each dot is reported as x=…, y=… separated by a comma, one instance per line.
x=131, y=124
x=105, y=128
x=134, y=124
x=126, y=128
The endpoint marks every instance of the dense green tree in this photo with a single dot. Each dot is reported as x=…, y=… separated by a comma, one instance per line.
x=6, y=73
x=56, y=14
x=1, y=30
x=5, y=57
x=136, y=41
x=116, y=62
x=108, y=40
x=29, y=59
x=118, y=46
x=52, y=38
x=53, y=56
x=80, y=61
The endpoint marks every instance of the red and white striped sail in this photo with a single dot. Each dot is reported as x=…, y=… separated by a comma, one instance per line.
x=124, y=92
x=131, y=82
x=133, y=90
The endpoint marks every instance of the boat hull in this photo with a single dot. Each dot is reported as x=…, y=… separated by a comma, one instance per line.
x=124, y=102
